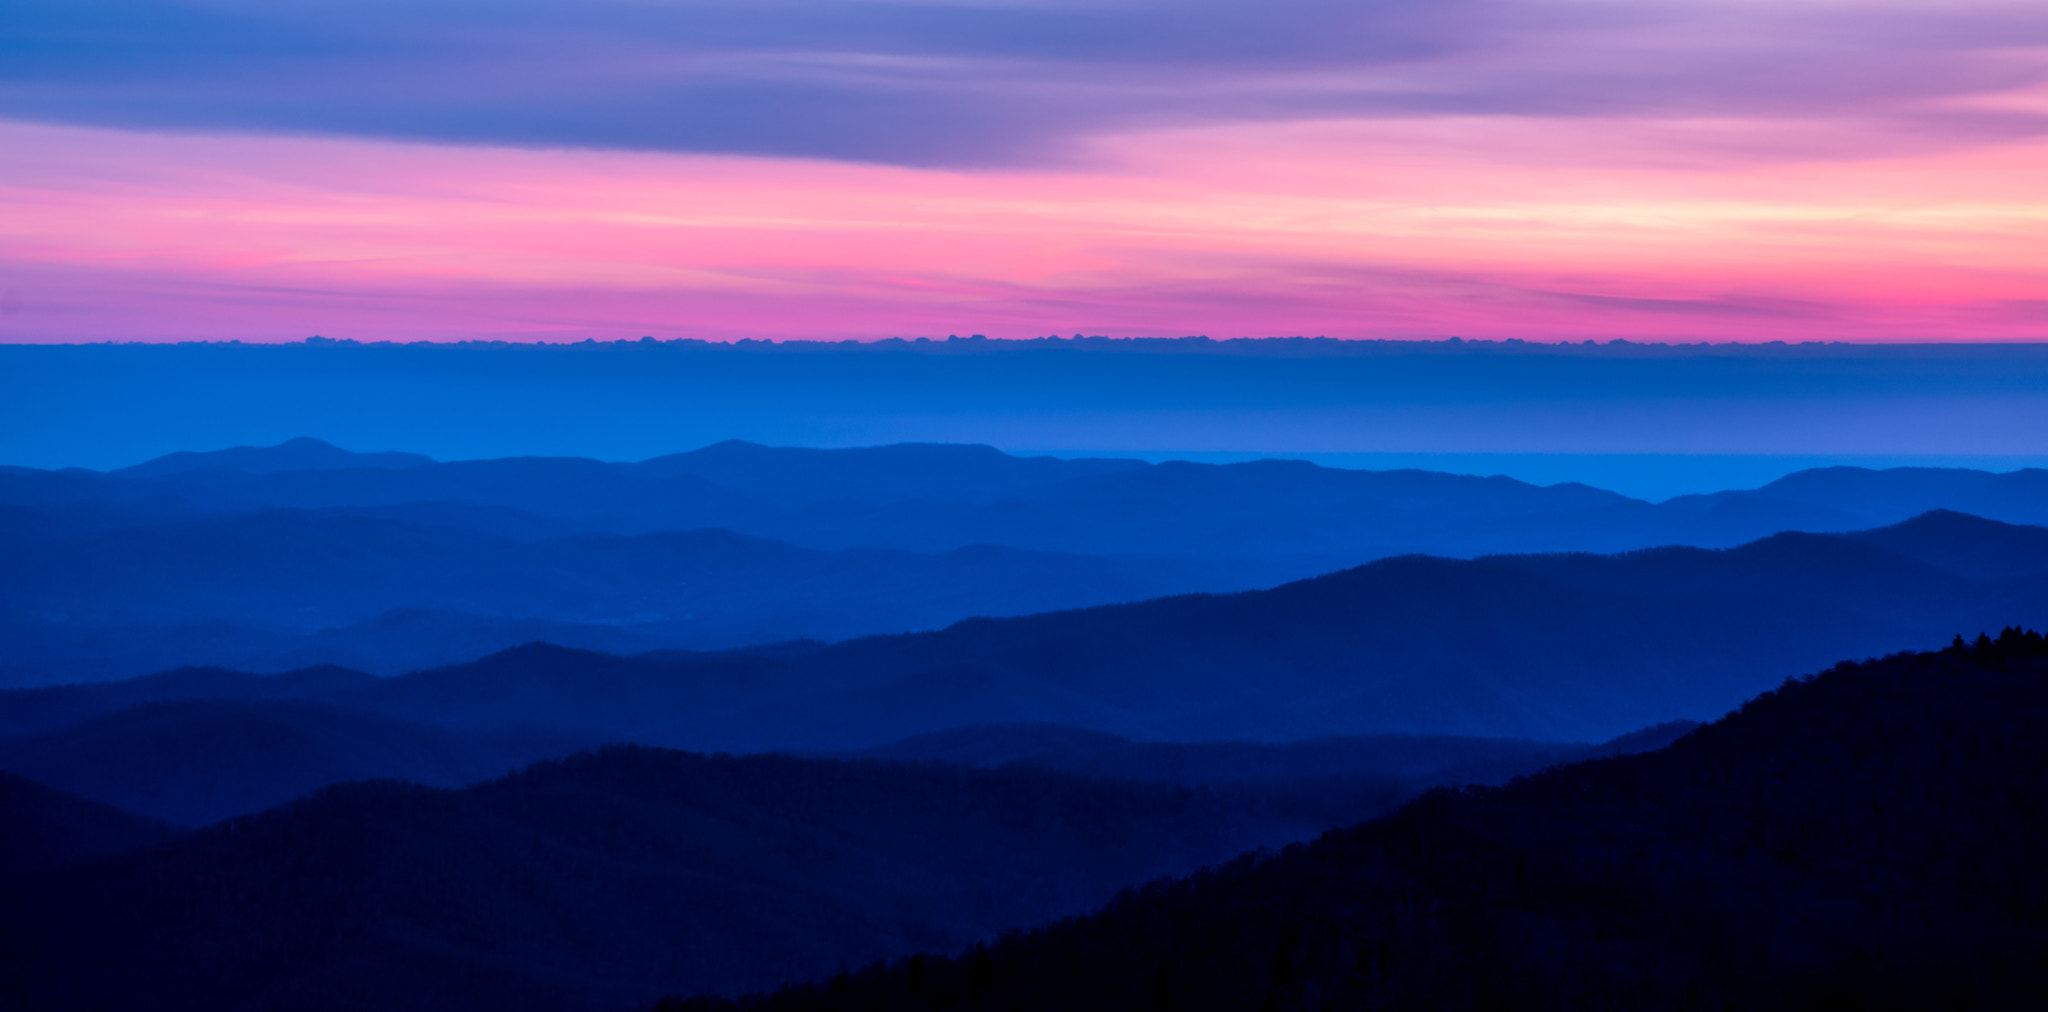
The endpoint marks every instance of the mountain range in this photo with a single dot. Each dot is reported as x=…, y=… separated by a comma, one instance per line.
x=197, y=761
x=1862, y=838
x=270, y=558
x=1555, y=647
x=603, y=879
x=1866, y=838
x=47, y=828
x=298, y=728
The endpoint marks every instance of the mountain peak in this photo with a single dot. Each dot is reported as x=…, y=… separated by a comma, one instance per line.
x=1947, y=519
x=1965, y=544
x=303, y=453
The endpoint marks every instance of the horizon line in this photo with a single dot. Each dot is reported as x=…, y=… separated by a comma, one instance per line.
x=1192, y=340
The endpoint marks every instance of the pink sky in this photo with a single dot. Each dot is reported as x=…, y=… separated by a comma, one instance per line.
x=1906, y=217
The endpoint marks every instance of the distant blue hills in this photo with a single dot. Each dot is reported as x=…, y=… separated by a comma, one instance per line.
x=301, y=454
x=1568, y=647
x=1869, y=835
x=445, y=641
x=295, y=727
x=268, y=558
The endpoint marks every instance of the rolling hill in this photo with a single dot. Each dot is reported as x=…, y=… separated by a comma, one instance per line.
x=1552, y=647
x=274, y=557
x=281, y=587
x=1867, y=838
x=1865, y=497
x=934, y=497
x=47, y=828
x=1419, y=760
x=197, y=761
x=602, y=880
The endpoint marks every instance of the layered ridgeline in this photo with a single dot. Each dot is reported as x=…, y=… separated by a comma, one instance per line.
x=1414, y=759
x=1561, y=648
x=198, y=761
x=1868, y=838
x=606, y=879
x=877, y=497
x=277, y=557
x=286, y=588
x=1525, y=652
x=47, y=828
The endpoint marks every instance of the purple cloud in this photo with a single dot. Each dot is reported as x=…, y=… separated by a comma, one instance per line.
x=984, y=83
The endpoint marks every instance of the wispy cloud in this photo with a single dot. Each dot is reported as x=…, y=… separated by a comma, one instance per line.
x=1546, y=169
x=994, y=83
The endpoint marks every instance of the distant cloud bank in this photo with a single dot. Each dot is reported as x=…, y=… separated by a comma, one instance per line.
x=113, y=405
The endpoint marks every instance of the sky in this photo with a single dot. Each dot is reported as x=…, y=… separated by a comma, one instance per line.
x=545, y=170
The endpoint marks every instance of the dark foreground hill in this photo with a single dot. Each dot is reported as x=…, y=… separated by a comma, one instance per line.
x=1421, y=760
x=197, y=761
x=1549, y=647
x=45, y=828
x=603, y=880
x=1867, y=838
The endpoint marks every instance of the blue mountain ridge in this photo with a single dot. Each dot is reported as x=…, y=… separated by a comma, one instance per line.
x=1570, y=647
x=111, y=575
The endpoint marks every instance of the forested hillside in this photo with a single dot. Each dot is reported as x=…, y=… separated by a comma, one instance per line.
x=46, y=828
x=604, y=880
x=1866, y=838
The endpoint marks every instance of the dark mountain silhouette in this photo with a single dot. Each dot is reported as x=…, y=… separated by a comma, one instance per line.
x=290, y=586
x=1868, y=838
x=1966, y=545
x=45, y=653
x=1560, y=648
x=301, y=454
x=29, y=711
x=1422, y=760
x=414, y=638
x=46, y=828
x=197, y=761
x=603, y=880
